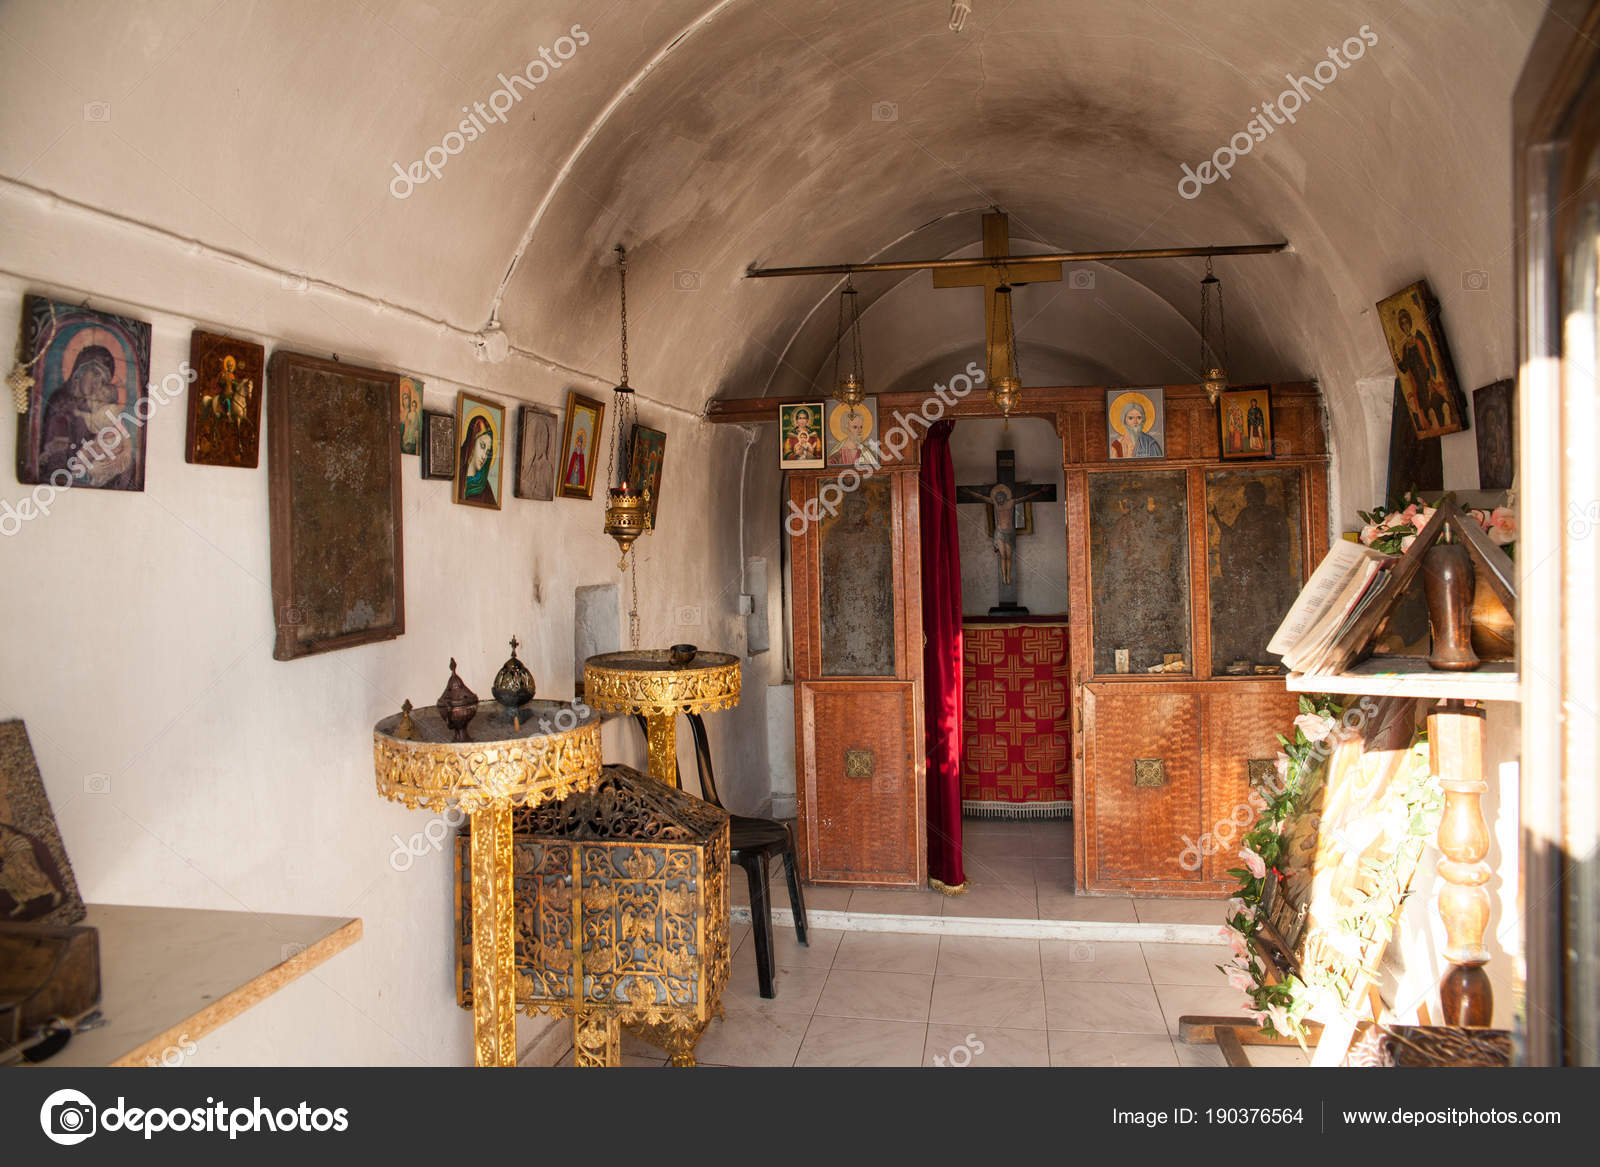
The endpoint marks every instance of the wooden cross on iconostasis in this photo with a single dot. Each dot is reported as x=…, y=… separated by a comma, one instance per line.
x=997, y=246
x=1003, y=496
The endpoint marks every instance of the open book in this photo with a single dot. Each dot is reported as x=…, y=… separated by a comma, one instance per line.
x=1316, y=636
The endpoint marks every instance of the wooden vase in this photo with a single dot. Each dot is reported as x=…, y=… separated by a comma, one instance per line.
x=1494, y=634
x=1447, y=579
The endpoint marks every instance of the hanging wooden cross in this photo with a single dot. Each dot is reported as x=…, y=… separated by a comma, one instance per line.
x=997, y=246
x=1004, y=495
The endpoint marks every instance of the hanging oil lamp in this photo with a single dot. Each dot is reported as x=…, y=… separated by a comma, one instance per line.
x=627, y=509
x=1213, y=368
x=849, y=380
x=1005, y=383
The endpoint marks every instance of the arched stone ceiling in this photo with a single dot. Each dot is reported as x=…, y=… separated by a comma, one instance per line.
x=708, y=136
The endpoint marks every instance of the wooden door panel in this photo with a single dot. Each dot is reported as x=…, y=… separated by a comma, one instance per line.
x=861, y=793
x=1143, y=766
x=1240, y=727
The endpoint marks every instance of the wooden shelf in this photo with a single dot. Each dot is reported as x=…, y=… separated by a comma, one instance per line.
x=169, y=976
x=1407, y=676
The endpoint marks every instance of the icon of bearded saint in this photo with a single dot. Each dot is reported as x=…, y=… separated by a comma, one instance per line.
x=80, y=433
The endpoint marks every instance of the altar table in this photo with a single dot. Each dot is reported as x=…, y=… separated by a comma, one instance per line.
x=1016, y=751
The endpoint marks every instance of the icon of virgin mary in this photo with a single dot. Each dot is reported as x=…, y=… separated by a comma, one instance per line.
x=477, y=460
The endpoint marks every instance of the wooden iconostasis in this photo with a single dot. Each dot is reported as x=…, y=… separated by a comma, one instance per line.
x=1185, y=563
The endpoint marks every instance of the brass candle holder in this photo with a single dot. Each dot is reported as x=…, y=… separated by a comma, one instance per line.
x=627, y=517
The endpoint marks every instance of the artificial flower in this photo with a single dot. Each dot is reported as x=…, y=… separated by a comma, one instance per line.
x=1256, y=865
x=1315, y=726
x=1502, y=526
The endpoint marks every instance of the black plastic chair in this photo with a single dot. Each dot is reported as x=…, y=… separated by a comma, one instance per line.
x=752, y=842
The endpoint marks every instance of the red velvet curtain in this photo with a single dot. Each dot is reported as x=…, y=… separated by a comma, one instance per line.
x=941, y=656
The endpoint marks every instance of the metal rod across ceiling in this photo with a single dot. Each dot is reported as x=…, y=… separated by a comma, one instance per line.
x=826, y=269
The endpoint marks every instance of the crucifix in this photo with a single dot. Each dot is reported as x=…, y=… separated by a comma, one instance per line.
x=1004, y=495
x=1004, y=270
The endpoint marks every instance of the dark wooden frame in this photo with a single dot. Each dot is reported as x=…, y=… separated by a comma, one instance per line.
x=576, y=401
x=280, y=451
x=1222, y=401
x=431, y=418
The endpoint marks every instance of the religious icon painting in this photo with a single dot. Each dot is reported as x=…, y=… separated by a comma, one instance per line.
x=1494, y=413
x=1244, y=423
x=438, y=445
x=89, y=402
x=1136, y=423
x=1410, y=320
x=646, y=448
x=852, y=434
x=410, y=415
x=537, y=436
x=800, y=436
x=580, y=445
x=224, y=401
x=480, y=442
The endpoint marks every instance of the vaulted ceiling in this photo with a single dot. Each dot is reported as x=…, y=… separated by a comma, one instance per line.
x=710, y=136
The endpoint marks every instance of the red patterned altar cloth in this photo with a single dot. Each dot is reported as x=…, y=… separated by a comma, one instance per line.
x=1016, y=754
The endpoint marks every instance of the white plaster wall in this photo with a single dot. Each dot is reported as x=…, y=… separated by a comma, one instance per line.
x=1040, y=559
x=138, y=633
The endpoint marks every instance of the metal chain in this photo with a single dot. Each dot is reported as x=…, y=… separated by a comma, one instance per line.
x=618, y=397
x=633, y=613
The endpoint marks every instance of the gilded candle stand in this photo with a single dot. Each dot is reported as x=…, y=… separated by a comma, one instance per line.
x=622, y=907
x=648, y=682
x=498, y=767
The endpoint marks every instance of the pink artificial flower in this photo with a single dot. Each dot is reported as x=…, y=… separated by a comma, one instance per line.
x=1480, y=517
x=1396, y=519
x=1281, y=763
x=1256, y=865
x=1257, y=1015
x=1314, y=726
x=1240, y=948
x=1405, y=544
x=1420, y=519
x=1281, y=1020
x=1369, y=533
x=1242, y=981
x=1503, y=526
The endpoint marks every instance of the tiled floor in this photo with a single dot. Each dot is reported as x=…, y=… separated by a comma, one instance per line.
x=893, y=999
x=1015, y=870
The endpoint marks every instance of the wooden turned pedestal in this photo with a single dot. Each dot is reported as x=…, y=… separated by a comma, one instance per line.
x=1455, y=748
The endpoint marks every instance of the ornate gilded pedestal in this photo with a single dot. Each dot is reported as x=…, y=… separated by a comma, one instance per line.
x=621, y=897
x=499, y=767
x=646, y=682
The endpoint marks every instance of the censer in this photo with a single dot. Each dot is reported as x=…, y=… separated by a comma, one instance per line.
x=627, y=509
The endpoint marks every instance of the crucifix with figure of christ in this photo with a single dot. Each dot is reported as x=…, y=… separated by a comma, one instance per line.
x=1006, y=269
x=1003, y=495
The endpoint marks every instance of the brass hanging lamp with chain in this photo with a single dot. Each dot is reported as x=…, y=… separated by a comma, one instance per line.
x=627, y=509
x=1005, y=383
x=1213, y=365
x=849, y=381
